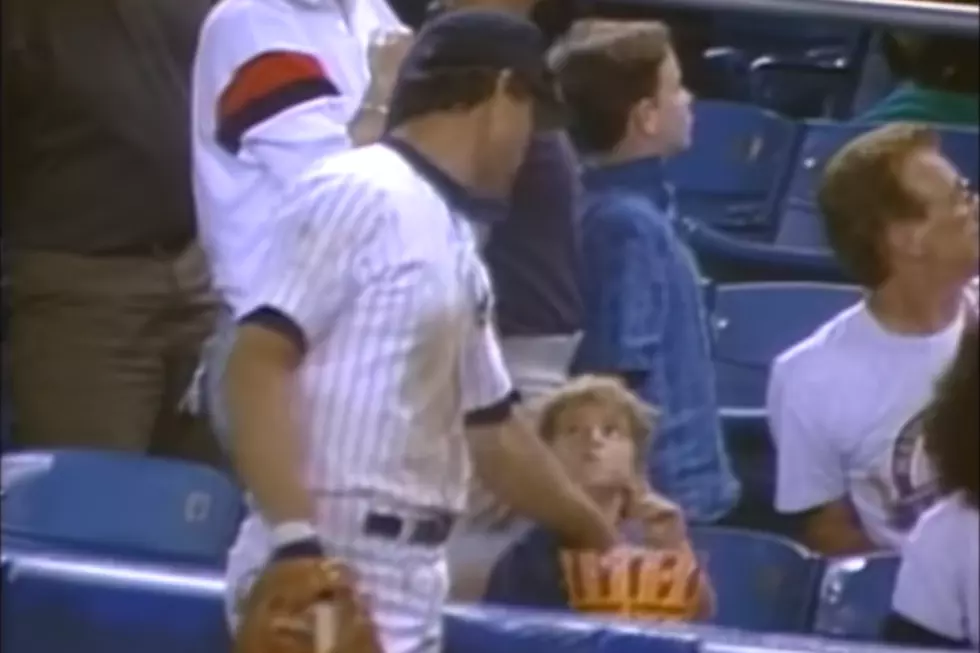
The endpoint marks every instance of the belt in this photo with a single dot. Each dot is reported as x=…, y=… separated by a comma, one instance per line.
x=425, y=532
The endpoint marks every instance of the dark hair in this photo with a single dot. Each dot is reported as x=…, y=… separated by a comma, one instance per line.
x=952, y=422
x=862, y=192
x=605, y=68
x=449, y=90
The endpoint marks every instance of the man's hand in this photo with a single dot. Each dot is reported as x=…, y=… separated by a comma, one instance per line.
x=280, y=612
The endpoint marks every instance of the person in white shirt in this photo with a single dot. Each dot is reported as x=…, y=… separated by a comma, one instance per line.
x=845, y=405
x=936, y=601
x=277, y=84
x=366, y=378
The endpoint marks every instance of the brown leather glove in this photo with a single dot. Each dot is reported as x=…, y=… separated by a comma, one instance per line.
x=278, y=616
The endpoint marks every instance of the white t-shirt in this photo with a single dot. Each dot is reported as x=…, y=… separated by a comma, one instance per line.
x=938, y=586
x=845, y=414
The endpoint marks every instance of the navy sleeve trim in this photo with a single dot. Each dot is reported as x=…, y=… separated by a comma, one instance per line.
x=273, y=319
x=899, y=630
x=497, y=413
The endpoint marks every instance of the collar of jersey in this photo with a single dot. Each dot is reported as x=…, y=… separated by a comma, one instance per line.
x=460, y=198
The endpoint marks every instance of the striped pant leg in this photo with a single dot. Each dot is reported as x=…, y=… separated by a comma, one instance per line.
x=405, y=586
x=406, y=591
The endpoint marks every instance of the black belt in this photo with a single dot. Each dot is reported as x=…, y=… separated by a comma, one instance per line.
x=426, y=532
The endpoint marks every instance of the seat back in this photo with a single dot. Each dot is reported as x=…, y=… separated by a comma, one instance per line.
x=768, y=35
x=118, y=503
x=726, y=177
x=755, y=322
x=799, y=221
x=762, y=582
x=855, y=596
x=67, y=603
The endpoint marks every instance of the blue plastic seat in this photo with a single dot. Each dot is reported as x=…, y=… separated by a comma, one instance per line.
x=855, y=596
x=118, y=504
x=755, y=322
x=800, y=224
x=726, y=178
x=726, y=257
x=54, y=604
x=802, y=88
x=763, y=582
x=727, y=71
x=802, y=38
x=490, y=629
x=797, y=248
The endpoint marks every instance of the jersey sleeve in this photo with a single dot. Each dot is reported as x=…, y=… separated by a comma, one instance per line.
x=927, y=590
x=809, y=468
x=274, y=102
x=307, y=272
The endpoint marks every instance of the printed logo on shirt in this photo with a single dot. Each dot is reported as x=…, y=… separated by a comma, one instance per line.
x=911, y=476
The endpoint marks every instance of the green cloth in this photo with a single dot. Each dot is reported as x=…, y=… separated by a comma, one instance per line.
x=911, y=102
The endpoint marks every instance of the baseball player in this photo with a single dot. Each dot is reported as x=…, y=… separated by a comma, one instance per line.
x=367, y=349
x=277, y=84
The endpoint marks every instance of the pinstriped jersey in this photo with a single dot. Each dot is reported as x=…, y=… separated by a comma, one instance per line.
x=385, y=281
x=275, y=83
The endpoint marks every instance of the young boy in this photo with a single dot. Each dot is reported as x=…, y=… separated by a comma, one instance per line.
x=600, y=430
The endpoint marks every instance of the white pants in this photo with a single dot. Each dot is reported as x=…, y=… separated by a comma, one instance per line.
x=405, y=585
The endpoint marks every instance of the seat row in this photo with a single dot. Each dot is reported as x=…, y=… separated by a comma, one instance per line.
x=116, y=515
x=58, y=600
x=746, y=190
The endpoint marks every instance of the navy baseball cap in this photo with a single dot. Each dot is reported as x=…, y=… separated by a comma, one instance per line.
x=480, y=39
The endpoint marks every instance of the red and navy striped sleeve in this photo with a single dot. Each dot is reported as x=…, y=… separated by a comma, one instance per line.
x=265, y=86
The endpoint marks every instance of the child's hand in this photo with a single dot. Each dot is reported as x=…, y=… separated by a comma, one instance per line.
x=661, y=520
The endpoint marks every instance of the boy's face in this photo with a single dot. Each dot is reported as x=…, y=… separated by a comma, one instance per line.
x=594, y=443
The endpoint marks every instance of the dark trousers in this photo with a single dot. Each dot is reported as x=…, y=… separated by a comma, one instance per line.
x=102, y=350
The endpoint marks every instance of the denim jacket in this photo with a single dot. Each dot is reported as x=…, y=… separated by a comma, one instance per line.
x=645, y=314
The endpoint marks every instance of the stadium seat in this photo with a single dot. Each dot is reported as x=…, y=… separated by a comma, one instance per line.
x=70, y=604
x=755, y=322
x=727, y=257
x=486, y=629
x=799, y=223
x=763, y=583
x=801, y=88
x=855, y=596
x=726, y=178
x=727, y=70
x=118, y=504
x=775, y=35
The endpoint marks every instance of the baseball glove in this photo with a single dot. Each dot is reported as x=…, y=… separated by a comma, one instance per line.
x=634, y=583
x=279, y=614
